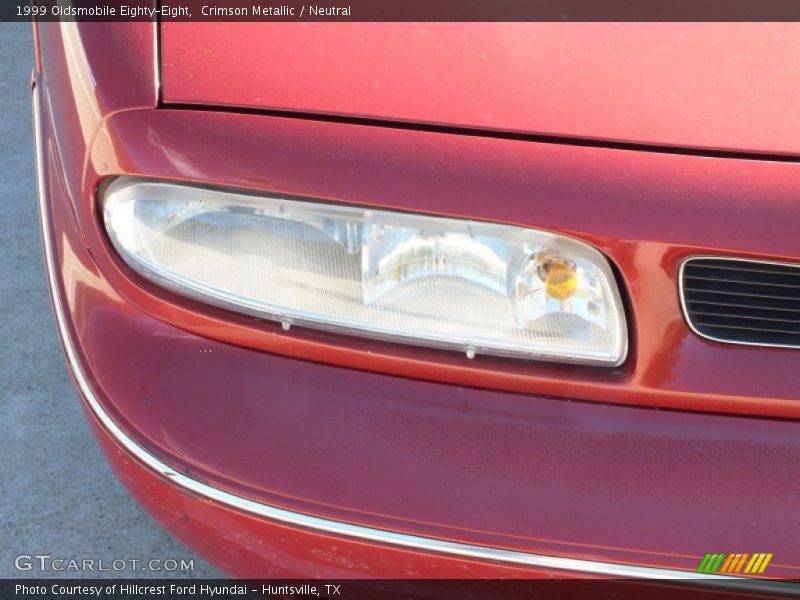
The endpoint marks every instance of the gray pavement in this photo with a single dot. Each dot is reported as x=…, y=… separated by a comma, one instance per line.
x=57, y=494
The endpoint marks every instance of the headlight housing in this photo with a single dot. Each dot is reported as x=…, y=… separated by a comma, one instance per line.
x=471, y=286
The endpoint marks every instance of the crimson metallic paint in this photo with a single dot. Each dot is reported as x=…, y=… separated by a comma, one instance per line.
x=532, y=474
x=707, y=85
x=513, y=454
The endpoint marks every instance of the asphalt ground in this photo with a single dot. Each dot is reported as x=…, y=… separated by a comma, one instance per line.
x=58, y=496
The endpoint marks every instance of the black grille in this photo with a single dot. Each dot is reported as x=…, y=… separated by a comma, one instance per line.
x=743, y=301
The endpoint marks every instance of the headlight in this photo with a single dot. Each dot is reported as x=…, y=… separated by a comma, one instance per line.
x=464, y=285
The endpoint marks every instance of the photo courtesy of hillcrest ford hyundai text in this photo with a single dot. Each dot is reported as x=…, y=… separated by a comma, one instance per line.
x=409, y=299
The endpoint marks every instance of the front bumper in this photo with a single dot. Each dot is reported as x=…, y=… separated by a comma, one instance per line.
x=274, y=466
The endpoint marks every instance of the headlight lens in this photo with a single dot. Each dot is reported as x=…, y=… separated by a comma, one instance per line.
x=471, y=286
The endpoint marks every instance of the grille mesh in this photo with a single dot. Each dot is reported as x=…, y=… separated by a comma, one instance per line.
x=743, y=301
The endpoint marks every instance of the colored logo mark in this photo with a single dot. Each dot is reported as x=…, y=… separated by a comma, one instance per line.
x=735, y=563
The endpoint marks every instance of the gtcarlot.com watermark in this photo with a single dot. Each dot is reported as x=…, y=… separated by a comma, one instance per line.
x=46, y=563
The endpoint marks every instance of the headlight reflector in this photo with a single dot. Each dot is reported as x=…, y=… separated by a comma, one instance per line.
x=472, y=286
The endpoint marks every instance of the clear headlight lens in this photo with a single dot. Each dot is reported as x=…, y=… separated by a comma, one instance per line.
x=471, y=286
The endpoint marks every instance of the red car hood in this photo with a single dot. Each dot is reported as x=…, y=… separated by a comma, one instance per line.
x=713, y=86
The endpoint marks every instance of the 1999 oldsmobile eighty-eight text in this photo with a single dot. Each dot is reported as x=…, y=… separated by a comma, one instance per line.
x=177, y=11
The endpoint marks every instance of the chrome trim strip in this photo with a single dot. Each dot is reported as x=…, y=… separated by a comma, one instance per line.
x=685, y=310
x=327, y=526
